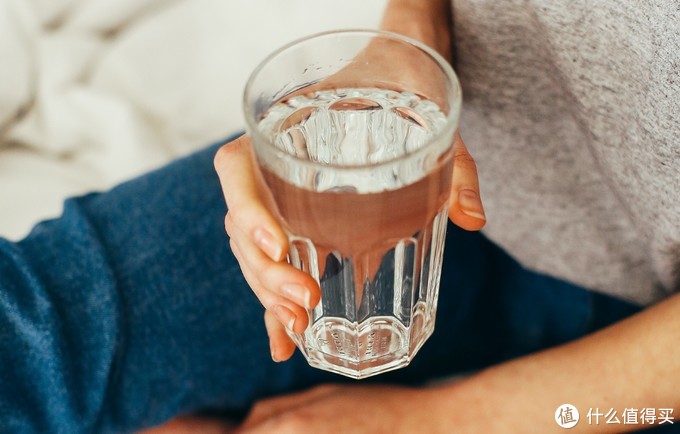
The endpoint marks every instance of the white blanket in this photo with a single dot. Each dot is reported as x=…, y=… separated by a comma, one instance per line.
x=93, y=92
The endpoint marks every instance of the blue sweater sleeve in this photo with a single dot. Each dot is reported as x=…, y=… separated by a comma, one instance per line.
x=127, y=310
x=60, y=323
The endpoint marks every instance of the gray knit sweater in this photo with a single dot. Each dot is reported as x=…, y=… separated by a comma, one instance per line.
x=572, y=111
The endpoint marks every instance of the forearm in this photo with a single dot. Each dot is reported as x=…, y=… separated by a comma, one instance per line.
x=427, y=21
x=632, y=364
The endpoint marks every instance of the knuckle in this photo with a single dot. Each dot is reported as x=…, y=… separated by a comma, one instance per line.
x=227, y=152
x=221, y=157
x=258, y=291
x=228, y=224
x=234, y=249
x=271, y=323
x=240, y=219
x=257, y=265
x=263, y=271
x=246, y=215
x=464, y=159
x=274, y=275
x=261, y=297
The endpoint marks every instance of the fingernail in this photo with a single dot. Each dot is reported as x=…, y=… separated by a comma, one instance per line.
x=273, y=351
x=297, y=293
x=267, y=243
x=284, y=315
x=470, y=204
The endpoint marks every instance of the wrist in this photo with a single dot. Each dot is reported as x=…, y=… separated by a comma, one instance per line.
x=427, y=22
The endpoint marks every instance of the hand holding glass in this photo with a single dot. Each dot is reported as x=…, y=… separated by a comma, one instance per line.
x=353, y=132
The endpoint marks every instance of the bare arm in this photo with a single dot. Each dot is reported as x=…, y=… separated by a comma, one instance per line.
x=427, y=21
x=632, y=364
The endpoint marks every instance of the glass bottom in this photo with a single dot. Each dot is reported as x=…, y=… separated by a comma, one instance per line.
x=377, y=345
x=377, y=308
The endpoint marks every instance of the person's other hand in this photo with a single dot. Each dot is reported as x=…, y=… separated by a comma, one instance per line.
x=330, y=409
x=260, y=244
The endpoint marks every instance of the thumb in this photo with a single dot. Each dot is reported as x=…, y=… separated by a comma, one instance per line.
x=466, y=208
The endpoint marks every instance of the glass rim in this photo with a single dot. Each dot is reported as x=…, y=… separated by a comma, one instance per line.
x=451, y=117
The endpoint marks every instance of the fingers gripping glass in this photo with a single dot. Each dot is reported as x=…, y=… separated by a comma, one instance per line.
x=353, y=133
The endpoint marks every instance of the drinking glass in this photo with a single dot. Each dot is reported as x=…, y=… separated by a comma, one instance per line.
x=353, y=133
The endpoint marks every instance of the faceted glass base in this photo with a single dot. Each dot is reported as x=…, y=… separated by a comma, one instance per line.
x=383, y=345
x=372, y=322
